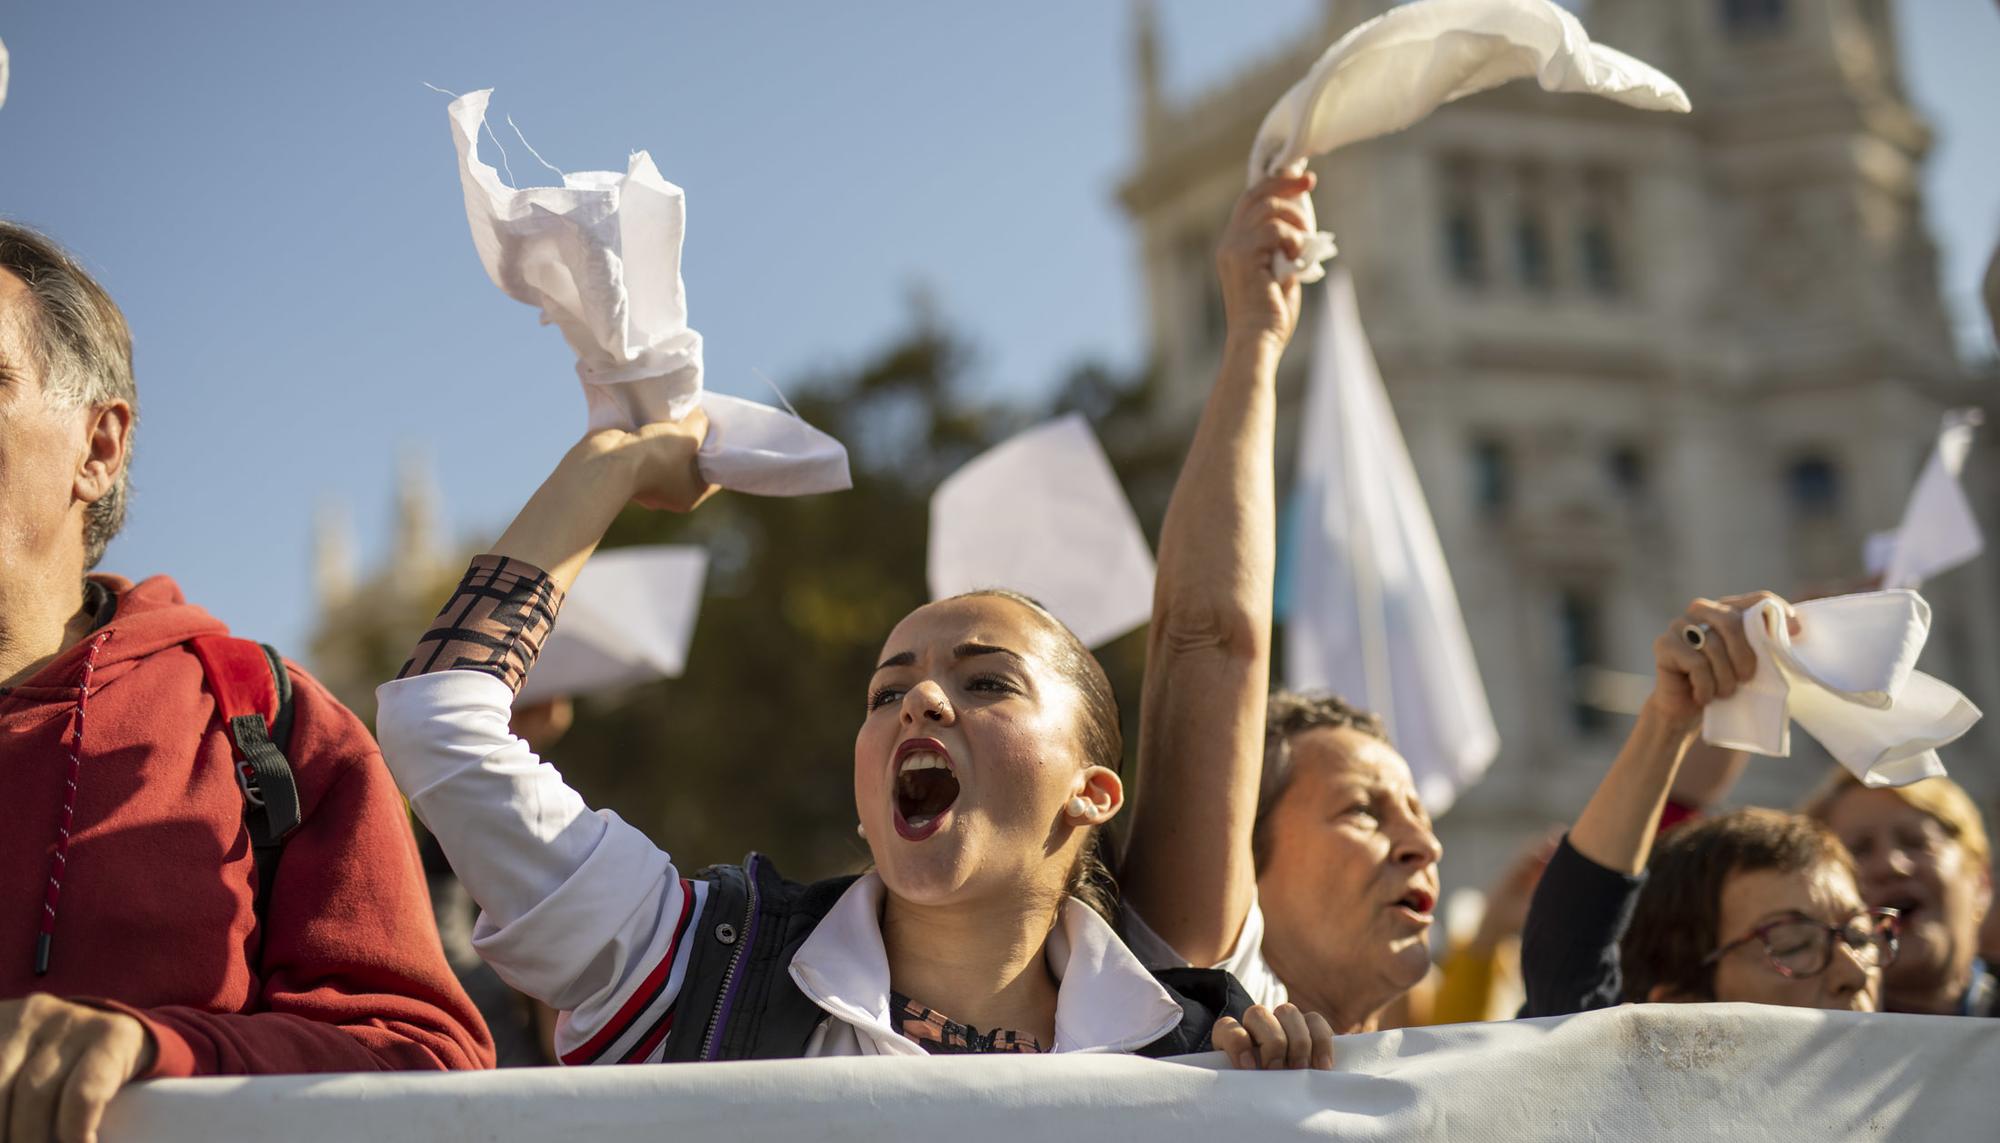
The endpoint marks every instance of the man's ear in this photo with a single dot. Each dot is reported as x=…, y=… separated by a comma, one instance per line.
x=1104, y=790
x=107, y=446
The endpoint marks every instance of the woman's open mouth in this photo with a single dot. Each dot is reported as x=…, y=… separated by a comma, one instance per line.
x=926, y=787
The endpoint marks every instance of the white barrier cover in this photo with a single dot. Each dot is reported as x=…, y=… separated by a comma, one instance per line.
x=1659, y=1071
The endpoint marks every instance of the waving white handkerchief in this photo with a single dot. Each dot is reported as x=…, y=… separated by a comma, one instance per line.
x=1850, y=679
x=1393, y=70
x=1042, y=513
x=628, y=619
x=601, y=257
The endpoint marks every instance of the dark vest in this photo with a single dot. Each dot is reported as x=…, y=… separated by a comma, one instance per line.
x=738, y=1000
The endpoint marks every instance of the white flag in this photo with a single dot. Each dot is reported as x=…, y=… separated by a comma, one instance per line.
x=1373, y=616
x=628, y=619
x=1043, y=514
x=1939, y=531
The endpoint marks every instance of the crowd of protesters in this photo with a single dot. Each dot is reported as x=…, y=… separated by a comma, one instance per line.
x=182, y=792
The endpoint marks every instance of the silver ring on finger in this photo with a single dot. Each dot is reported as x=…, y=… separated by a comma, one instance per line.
x=1696, y=635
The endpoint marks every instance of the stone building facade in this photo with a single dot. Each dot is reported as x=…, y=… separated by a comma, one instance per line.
x=1637, y=357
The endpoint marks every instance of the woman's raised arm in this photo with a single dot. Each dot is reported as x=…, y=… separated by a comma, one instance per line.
x=1188, y=870
x=578, y=908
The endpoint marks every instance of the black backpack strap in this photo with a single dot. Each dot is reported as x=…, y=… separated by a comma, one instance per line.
x=238, y=673
x=273, y=822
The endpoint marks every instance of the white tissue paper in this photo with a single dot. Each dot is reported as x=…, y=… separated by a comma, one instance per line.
x=628, y=619
x=1390, y=72
x=1043, y=514
x=1939, y=530
x=601, y=257
x=1850, y=680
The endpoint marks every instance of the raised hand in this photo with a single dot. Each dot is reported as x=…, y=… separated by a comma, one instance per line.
x=1268, y=219
x=1687, y=678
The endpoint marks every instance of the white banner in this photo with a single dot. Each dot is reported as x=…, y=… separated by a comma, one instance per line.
x=1658, y=1071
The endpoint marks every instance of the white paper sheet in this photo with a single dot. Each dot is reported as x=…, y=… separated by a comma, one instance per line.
x=600, y=256
x=1043, y=514
x=628, y=619
x=1390, y=72
x=1850, y=679
x=1373, y=615
x=1939, y=530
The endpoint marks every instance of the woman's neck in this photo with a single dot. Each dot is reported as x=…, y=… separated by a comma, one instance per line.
x=1942, y=999
x=981, y=964
x=1355, y=1006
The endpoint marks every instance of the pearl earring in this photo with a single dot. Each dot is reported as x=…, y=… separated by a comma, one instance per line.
x=860, y=831
x=1078, y=807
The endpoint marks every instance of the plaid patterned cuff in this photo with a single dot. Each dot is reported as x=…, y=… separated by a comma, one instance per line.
x=495, y=622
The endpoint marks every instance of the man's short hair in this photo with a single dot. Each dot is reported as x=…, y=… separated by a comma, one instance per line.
x=1678, y=919
x=1287, y=714
x=81, y=347
x=1940, y=797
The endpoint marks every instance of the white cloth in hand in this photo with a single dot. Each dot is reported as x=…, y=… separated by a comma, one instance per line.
x=1390, y=72
x=600, y=256
x=1850, y=679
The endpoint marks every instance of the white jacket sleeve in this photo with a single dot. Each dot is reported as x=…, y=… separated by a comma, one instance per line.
x=577, y=908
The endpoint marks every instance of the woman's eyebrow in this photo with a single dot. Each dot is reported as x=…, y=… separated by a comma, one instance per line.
x=962, y=651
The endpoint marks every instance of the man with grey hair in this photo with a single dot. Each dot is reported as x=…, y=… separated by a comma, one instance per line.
x=157, y=771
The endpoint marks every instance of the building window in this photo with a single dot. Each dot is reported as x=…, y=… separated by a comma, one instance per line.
x=1579, y=626
x=1626, y=465
x=1814, y=485
x=1492, y=476
x=1463, y=246
x=1600, y=257
x=1753, y=17
x=1531, y=252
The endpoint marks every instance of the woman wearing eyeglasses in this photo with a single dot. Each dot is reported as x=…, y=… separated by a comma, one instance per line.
x=1755, y=906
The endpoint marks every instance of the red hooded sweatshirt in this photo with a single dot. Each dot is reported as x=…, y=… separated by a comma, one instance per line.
x=154, y=914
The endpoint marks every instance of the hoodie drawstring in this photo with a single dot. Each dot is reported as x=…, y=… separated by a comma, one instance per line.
x=59, y=859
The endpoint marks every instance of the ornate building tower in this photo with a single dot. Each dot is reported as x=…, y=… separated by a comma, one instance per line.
x=1637, y=357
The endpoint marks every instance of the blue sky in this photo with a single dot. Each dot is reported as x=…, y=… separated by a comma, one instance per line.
x=270, y=192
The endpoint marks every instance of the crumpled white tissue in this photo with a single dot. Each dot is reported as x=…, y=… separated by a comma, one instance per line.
x=1391, y=71
x=601, y=257
x=1850, y=680
x=1042, y=513
x=628, y=619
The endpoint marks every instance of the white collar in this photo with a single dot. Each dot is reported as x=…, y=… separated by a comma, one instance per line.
x=1105, y=999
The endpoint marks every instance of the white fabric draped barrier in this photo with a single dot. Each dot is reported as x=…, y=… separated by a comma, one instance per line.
x=1664, y=1071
